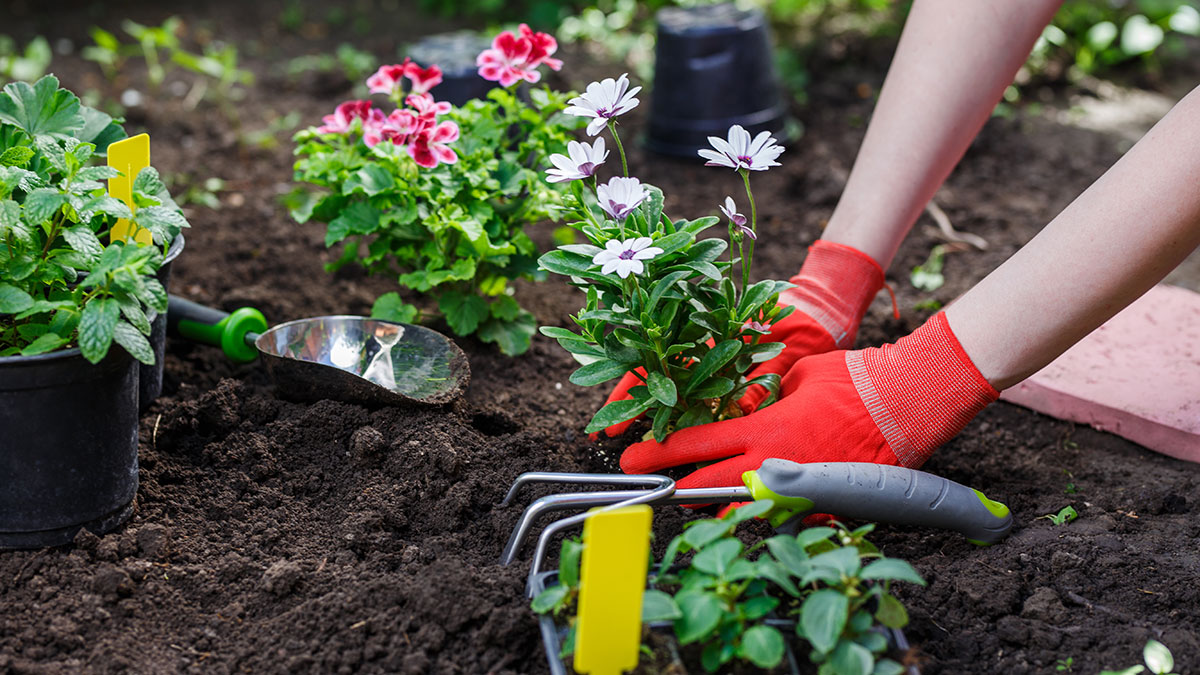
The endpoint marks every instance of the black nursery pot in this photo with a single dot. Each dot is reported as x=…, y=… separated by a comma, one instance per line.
x=68, y=446
x=455, y=54
x=150, y=378
x=713, y=69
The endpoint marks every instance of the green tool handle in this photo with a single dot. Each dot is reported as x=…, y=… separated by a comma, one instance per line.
x=209, y=326
x=891, y=494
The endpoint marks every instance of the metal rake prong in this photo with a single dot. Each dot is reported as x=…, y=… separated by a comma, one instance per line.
x=580, y=479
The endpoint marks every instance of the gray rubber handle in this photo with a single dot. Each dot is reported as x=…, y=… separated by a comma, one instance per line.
x=889, y=494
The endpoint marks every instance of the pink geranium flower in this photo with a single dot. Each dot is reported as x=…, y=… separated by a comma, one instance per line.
x=423, y=79
x=400, y=126
x=373, y=125
x=345, y=114
x=514, y=58
x=388, y=79
x=429, y=146
x=427, y=109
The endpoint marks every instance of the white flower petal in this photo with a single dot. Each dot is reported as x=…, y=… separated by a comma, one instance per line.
x=647, y=253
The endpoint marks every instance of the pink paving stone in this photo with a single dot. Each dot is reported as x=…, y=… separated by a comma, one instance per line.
x=1137, y=376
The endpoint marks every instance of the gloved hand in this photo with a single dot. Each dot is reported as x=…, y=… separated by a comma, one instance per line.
x=835, y=286
x=888, y=405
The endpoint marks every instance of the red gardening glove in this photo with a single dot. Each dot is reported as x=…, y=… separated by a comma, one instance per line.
x=833, y=290
x=888, y=405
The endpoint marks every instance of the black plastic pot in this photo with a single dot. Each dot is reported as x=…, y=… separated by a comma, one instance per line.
x=713, y=69
x=150, y=378
x=68, y=446
x=455, y=54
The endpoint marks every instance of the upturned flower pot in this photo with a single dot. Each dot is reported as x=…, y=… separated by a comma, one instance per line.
x=455, y=54
x=713, y=69
x=68, y=446
x=150, y=378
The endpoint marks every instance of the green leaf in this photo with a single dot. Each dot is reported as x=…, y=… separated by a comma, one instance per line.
x=715, y=387
x=754, y=297
x=568, y=562
x=134, y=342
x=789, y=553
x=1139, y=36
x=701, y=533
x=662, y=388
x=774, y=572
x=615, y=413
x=673, y=242
x=389, y=307
x=42, y=109
x=763, y=646
x=659, y=606
x=701, y=615
x=809, y=536
x=662, y=420
x=559, y=332
x=357, y=218
x=1158, y=658
x=851, y=658
x=566, y=263
x=894, y=569
x=463, y=312
x=163, y=221
x=598, y=372
x=97, y=326
x=752, y=510
x=48, y=342
x=844, y=561
x=759, y=606
x=716, y=558
x=371, y=179
x=710, y=363
x=99, y=129
x=14, y=300
x=888, y=667
x=148, y=182
x=82, y=239
x=694, y=416
x=16, y=156
x=549, y=599
x=512, y=337
x=891, y=612
x=823, y=618
x=41, y=204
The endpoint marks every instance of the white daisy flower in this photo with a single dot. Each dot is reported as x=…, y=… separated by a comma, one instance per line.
x=625, y=257
x=620, y=196
x=740, y=152
x=603, y=101
x=581, y=161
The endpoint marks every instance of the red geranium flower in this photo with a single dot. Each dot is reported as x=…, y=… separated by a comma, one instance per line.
x=345, y=114
x=512, y=59
x=429, y=146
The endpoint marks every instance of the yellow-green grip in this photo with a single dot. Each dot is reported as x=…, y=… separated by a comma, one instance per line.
x=214, y=327
x=888, y=494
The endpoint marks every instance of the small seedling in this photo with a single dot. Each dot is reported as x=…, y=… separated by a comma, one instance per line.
x=27, y=65
x=928, y=275
x=1158, y=661
x=1065, y=665
x=1064, y=516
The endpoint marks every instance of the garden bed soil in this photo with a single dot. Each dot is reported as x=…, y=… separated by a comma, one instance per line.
x=277, y=536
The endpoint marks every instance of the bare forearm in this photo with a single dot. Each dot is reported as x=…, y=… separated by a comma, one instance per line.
x=954, y=60
x=1120, y=237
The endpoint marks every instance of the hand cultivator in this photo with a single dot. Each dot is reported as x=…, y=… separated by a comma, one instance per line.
x=887, y=494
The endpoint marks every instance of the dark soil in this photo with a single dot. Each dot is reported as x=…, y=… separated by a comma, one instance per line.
x=276, y=536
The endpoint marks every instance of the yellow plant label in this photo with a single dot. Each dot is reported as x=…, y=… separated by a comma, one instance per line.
x=129, y=157
x=612, y=579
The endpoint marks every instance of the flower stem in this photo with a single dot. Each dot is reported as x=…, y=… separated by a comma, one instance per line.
x=612, y=127
x=746, y=260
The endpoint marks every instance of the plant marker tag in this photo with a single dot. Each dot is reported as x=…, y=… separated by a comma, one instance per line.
x=129, y=157
x=612, y=579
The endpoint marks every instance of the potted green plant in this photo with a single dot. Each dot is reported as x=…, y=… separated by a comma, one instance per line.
x=824, y=592
x=68, y=399
x=441, y=195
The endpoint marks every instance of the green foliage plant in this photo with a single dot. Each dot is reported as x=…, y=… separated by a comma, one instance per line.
x=659, y=301
x=1158, y=661
x=450, y=225
x=60, y=284
x=833, y=583
x=1065, y=515
x=1096, y=36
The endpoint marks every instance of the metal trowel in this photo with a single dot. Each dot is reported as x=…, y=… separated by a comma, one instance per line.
x=348, y=358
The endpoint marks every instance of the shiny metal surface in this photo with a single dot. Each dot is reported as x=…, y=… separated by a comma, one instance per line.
x=365, y=360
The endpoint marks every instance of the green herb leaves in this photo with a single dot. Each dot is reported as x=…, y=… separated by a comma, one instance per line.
x=63, y=285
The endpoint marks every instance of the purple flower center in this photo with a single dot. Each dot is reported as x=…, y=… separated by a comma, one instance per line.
x=745, y=159
x=587, y=168
x=616, y=209
x=603, y=112
x=627, y=254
